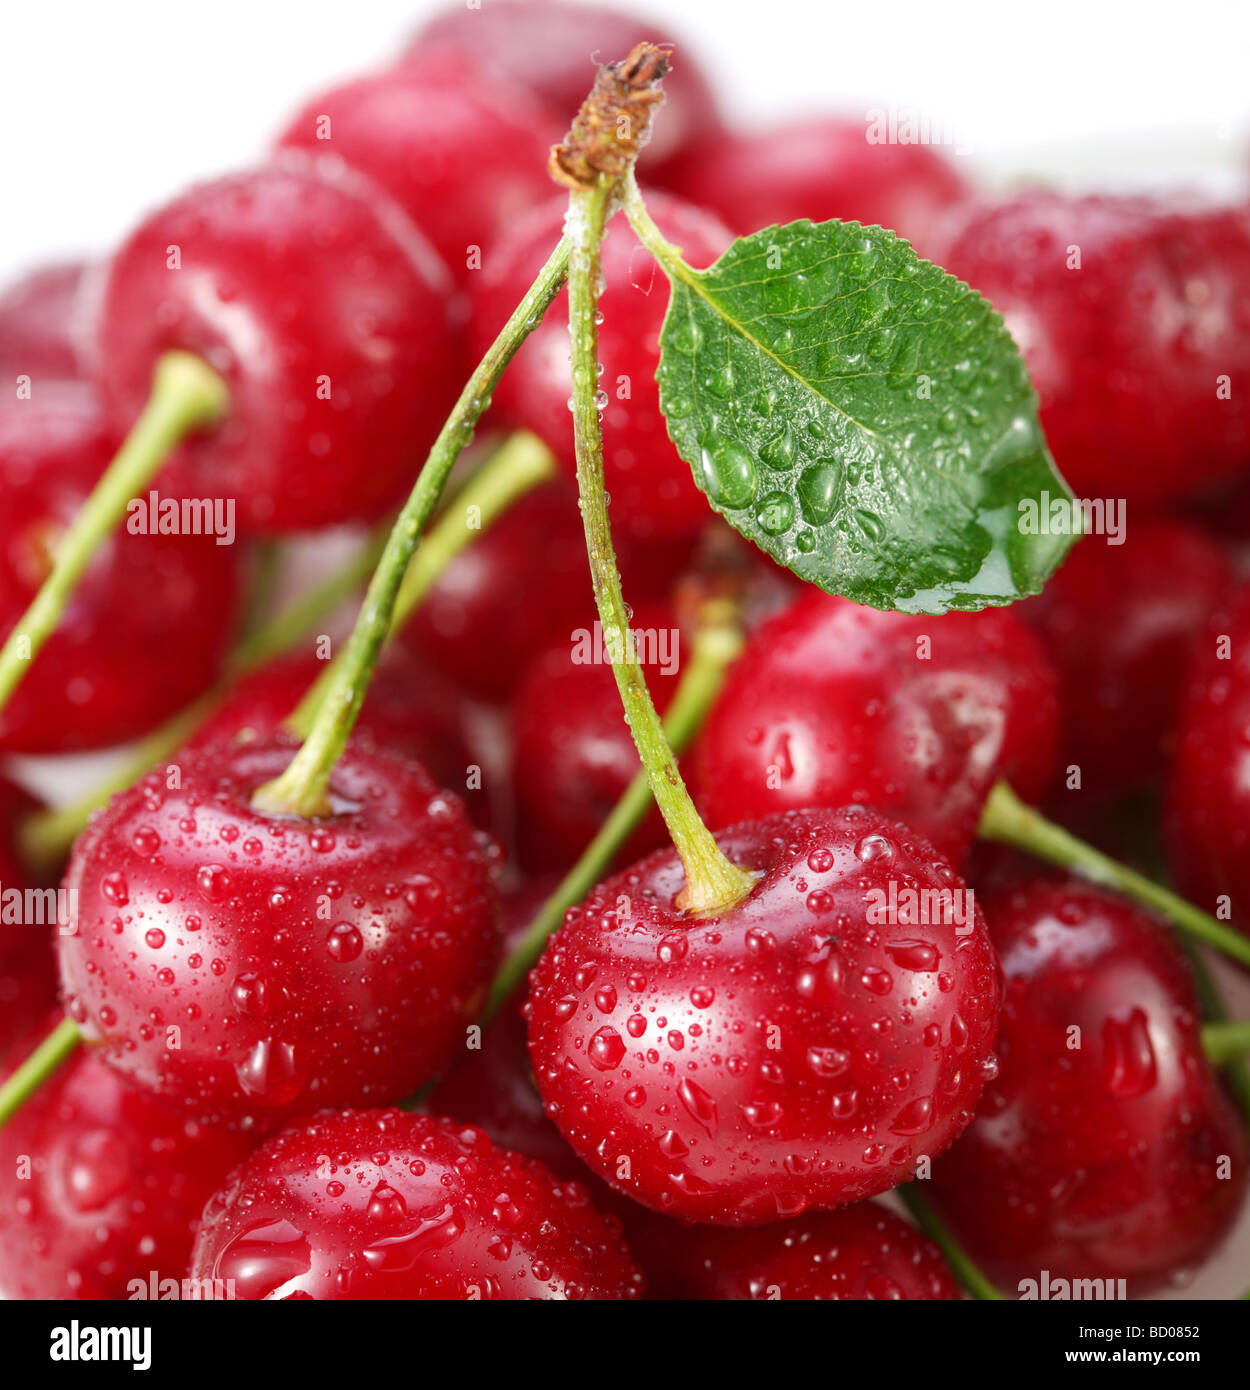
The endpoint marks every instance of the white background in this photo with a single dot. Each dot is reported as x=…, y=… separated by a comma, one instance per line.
x=109, y=106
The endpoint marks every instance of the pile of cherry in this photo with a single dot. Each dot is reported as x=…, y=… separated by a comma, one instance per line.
x=697, y=1107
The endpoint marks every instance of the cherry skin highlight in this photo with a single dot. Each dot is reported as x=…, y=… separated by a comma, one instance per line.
x=1119, y=622
x=555, y=50
x=326, y=313
x=463, y=157
x=653, y=493
x=148, y=627
x=786, y=1055
x=41, y=325
x=301, y=963
x=1161, y=295
x=1103, y=1160
x=833, y=703
x=114, y=1190
x=379, y=1204
x=819, y=169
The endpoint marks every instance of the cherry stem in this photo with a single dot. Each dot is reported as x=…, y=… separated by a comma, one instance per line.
x=712, y=882
x=961, y=1263
x=303, y=789
x=1008, y=819
x=668, y=255
x=1214, y=1010
x=1226, y=1041
x=521, y=463
x=43, y=1062
x=718, y=643
x=187, y=394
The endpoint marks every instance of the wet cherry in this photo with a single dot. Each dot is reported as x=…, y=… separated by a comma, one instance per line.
x=378, y=1204
x=792, y=1053
x=1119, y=622
x=652, y=490
x=42, y=325
x=247, y=967
x=1109, y=297
x=99, y=1186
x=1106, y=1147
x=326, y=312
x=834, y=703
x=148, y=628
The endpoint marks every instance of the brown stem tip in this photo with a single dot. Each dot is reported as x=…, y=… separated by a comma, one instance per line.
x=615, y=120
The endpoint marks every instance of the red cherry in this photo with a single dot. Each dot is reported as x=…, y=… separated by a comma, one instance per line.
x=1129, y=346
x=653, y=492
x=301, y=963
x=102, y=1187
x=1119, y=623
x=325, y=311
x=147, y=629
x=23, y=941
x=555, y=49
x=41, y=325
x=378, y=1204
x=789, y=1054
x=572, y=752
x=1207, y=807
x=818, y=169
x=862, y=1252
x=835, y=703
x=1098, y=1159
x=463, y=157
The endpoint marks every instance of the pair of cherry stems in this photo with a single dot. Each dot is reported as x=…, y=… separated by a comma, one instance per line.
x=188, y=395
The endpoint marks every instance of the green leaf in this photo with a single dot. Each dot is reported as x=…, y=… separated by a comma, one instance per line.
x=862, y=416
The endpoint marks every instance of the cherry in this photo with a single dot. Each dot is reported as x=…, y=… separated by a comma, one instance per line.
x=462, y=156
x=1129, y=345
x=324, y=310
x=101, y=1186
x=835, y=703
x=378, y=1204
x=41, y=325
x=149, y=628
x=1095, y=1152
x=554, y=49
x=27, y=991
x=653, y=493
x=785, y=1055
x=1119, y=623
x=1207, y=807
x=572, y=752
x=863, y=1252
x=818, y=169
x=247, y=967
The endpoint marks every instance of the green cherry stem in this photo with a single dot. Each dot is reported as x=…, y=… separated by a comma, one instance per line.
x=712, y=882
x=960, y=1261
x=1226, y=1041
x=302, y=790
x=187, y=394
x=56, y=1048
x=717, y=645
x=1009, y=820
x=1215, y=1011
x=519, y=464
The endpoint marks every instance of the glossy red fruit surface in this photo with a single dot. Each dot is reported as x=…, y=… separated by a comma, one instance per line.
x=99, y=1186
x=1119, y=622
x=462, y=156
x=41, y=325
x=573, y=755
x=147, y=628
x=790, y=1054
x=325, y=311
x=653, y=493
x=555, y=49
x=862, y=1252
x=379, y=1204
x=1097, y=1160
x=833, y=703
x=819, y=169
x=1127, y=349
x=1207, y=806
x=301, y=963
